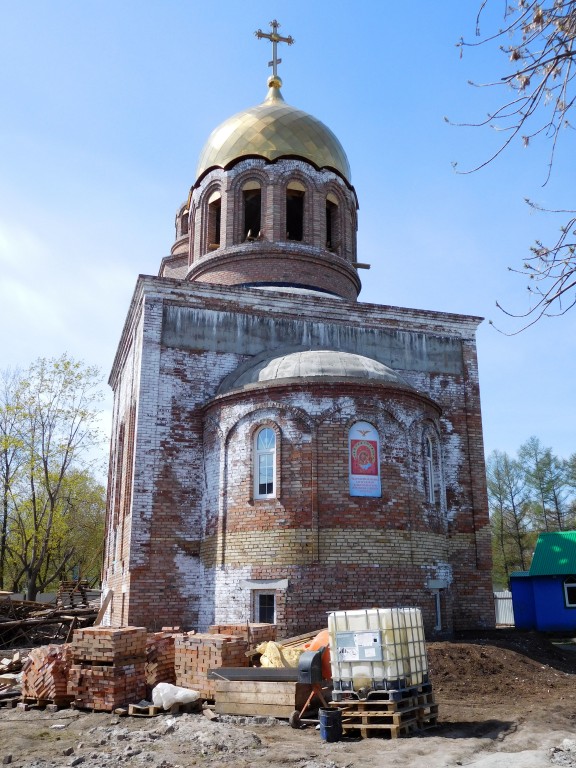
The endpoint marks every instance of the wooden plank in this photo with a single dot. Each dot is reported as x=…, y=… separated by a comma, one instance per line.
x=264, y=674
x=253, y=686
x=252, y=698
x=103, y=607
x=265, y=710
x=299, y=639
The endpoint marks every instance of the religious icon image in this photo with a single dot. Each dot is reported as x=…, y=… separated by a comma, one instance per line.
x=364, y=457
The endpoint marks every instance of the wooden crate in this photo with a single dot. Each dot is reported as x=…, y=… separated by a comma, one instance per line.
x=252, y=697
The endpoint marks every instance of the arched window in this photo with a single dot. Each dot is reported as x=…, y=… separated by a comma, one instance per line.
x=184, y=223
x=252, y=202
x=265, y=463
x=214, y=218
x=295, y=211
x=430, y=479
x=332, y=223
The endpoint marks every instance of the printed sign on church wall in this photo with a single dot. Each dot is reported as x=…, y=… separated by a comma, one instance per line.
x=364, y=451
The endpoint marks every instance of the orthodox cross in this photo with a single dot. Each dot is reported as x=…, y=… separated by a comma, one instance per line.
x=275, y=38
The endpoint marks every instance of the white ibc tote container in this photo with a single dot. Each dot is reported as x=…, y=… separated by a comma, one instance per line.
x=377, y=649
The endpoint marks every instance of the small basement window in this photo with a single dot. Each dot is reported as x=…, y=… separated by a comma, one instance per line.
x=264, y=607
x=570, y=591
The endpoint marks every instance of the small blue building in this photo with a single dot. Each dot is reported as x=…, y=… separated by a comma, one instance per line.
x=544, y=598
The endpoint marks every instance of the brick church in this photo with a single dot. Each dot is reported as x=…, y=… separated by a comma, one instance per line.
x=279, y=449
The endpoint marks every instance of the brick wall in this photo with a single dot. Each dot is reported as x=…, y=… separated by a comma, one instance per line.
x=273, y=258
x=196, y=542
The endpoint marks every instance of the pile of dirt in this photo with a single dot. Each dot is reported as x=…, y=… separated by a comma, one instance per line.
x=502, y=667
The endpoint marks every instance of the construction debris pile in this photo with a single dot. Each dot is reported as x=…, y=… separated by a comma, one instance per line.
x=106, y=668
x=376, y=683
x=28, y=623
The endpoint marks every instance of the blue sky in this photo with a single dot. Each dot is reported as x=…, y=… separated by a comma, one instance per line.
x=105, y=106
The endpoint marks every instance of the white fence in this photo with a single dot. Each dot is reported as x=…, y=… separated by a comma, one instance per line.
x=504, y=609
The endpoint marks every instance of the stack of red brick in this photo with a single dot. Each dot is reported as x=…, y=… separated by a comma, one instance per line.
x=253, y=633
x=109, y=667
x=159, y=659
x=195, y=654
x=45, y=674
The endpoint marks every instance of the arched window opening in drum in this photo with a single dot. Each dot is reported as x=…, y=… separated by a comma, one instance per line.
x=252, y=202
x=295, y=211
x=332, y=223
x=214, y=219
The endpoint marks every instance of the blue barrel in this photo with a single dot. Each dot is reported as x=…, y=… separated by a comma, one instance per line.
x=330, y=724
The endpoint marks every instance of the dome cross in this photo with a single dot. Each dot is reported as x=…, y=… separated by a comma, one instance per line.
x=275, y=38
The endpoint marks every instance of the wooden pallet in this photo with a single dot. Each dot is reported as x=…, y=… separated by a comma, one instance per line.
x=149, y=710
x=9, y=702
x=51, y=705
x=373, y=717
x=428, y=717
x=392, y=694
x=178, y=708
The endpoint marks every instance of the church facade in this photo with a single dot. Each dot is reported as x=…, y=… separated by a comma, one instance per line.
x=279, y=449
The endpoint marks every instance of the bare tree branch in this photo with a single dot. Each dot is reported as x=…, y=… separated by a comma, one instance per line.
x=542, y=50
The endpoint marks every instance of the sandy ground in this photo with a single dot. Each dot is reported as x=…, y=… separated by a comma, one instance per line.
x=505, y=701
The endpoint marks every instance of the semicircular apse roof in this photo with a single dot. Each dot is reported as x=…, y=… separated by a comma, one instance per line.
x=314, y=363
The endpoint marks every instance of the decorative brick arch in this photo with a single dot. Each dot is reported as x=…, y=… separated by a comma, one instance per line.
x=426, y=431
x=340, y=246
x=203, y=209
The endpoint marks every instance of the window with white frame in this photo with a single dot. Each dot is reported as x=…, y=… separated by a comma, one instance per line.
x=570, y=591
x=265, y=463
x=429, y=470
x=264, y=609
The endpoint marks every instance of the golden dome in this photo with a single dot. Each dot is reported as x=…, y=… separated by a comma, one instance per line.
x=271, y=130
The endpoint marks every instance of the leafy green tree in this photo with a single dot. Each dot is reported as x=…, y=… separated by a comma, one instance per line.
x=527, y=495
x=538, y=38
x=52, y=494
x=546, y=476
